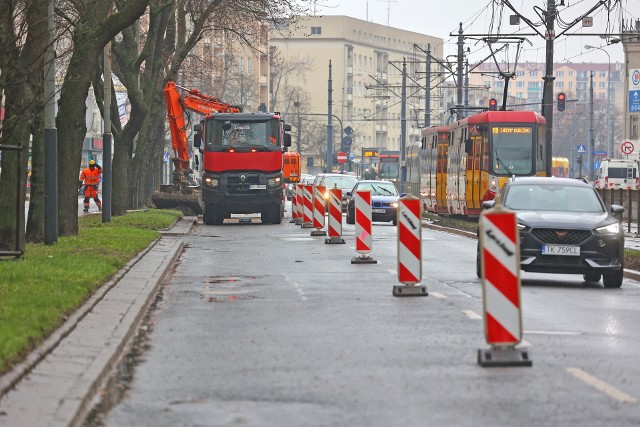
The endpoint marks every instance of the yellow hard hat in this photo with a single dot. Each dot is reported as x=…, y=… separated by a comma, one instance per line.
x=92, y=162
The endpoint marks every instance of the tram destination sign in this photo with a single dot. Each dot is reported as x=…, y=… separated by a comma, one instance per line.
x=511, y=129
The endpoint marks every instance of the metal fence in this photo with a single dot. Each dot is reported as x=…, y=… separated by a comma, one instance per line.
x=628, y=199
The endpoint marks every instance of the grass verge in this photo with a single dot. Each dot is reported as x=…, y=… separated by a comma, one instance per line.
x=50, y=282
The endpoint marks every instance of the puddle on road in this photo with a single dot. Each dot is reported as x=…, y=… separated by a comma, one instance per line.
x=229, y=288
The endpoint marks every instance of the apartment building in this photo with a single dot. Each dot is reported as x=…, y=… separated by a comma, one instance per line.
x=630, y=38
x=366, y=87
x=571, y=78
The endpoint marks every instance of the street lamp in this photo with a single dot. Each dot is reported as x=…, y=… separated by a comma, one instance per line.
x=609, y=124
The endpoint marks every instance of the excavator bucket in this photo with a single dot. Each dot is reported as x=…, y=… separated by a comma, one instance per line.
x=186, y=200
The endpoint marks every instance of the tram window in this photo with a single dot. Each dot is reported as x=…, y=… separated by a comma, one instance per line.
x=512, y=149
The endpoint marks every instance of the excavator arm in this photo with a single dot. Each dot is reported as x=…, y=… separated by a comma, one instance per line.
x=195, y=101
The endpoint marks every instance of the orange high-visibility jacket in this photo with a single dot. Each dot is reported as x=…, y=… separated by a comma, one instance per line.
x=91, y=177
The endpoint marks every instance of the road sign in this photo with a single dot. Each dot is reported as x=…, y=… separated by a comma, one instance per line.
x=582, y=149
x=341, y=157
x=627, y=147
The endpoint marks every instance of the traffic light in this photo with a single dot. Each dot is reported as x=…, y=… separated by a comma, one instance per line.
x=346, y=144
x=493, y=104
x=562, y=98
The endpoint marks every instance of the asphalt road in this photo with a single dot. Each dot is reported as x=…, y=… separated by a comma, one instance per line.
x=265, y=325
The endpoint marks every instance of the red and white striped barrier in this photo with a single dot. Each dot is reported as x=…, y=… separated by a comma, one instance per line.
x=294, y=204
x=318, y=211
x=335, y=217
x=363, y=227
x=500, y=265
x=409, y=248
x=299, y=203
x=307, y=211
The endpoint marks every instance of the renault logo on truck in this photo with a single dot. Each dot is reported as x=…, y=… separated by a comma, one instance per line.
x=243, y=178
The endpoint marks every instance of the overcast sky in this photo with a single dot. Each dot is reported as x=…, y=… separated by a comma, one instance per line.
x=439, y=18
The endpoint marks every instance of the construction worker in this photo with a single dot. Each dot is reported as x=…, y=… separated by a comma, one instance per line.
x=90, y=178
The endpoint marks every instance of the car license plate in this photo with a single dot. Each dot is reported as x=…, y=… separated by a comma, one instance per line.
x=565, y=250
x=258, y=187
x=378, y=211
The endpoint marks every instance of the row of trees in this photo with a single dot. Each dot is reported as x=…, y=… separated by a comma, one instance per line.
x=151, y=40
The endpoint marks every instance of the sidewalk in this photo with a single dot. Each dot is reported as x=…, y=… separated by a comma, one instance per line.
x=55, y=385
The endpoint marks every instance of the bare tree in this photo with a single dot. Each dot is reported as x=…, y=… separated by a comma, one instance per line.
x=23, y=31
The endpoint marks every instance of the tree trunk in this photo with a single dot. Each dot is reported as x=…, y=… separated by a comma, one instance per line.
x=35, y=221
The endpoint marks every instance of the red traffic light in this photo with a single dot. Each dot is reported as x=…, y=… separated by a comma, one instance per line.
x=561, y=101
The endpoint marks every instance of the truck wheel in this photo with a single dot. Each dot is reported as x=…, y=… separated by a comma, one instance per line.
x=277, y=214
x=207, y=216
x=265, y=216
x=218, y=215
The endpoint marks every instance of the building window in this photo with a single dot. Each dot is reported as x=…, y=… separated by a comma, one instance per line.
x=519, y=73
x=533, y=73
x=560, y=85
x=316, y=30
x=602, y=85
x=633, y=127
x=570, y=73
x=559, y=73
x=603, y=74
x=519, y=84
x=570, y=85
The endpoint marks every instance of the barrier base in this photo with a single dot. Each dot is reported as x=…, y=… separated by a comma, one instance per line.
x=333, y=240
x=293, y=221
x=307, y=225
x=298, y=221
x=503, y=356
x=363, y=259
x=318, y=233
x=409, y=291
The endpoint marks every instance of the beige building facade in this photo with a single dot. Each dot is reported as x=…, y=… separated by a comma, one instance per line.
x=366, y=87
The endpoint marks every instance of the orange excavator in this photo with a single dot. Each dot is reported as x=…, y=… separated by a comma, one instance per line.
x=183, y=193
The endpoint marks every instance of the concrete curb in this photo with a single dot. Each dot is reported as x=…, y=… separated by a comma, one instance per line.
x=11, y=378
x=629, y=274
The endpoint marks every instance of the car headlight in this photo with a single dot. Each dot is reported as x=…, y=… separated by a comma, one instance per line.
x=609, y=229
x=211, y=182
x=394, y=204
x=273, y=182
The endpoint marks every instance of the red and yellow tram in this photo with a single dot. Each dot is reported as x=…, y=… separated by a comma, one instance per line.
x=461, y=165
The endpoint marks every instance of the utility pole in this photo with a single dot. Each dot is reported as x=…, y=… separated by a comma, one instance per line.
x=427, y=86
x=459, y=72
x=592, y=144
x=106, y=137
x=403, y=125
x=466, y=87
x=329, y=125
x=547, y=93
x=298, y=142
x=50, y=136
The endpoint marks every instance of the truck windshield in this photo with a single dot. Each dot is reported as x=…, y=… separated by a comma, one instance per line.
x=242, y=133
x=512, y=150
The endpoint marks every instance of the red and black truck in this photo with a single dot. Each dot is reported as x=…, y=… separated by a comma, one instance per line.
x=242, y=160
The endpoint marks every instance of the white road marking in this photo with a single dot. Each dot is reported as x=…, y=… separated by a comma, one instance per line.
x=552, y=333
x=472, y=315
x=600, y=385
x=392, y=272
x=303, y=297
x=438, y=295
